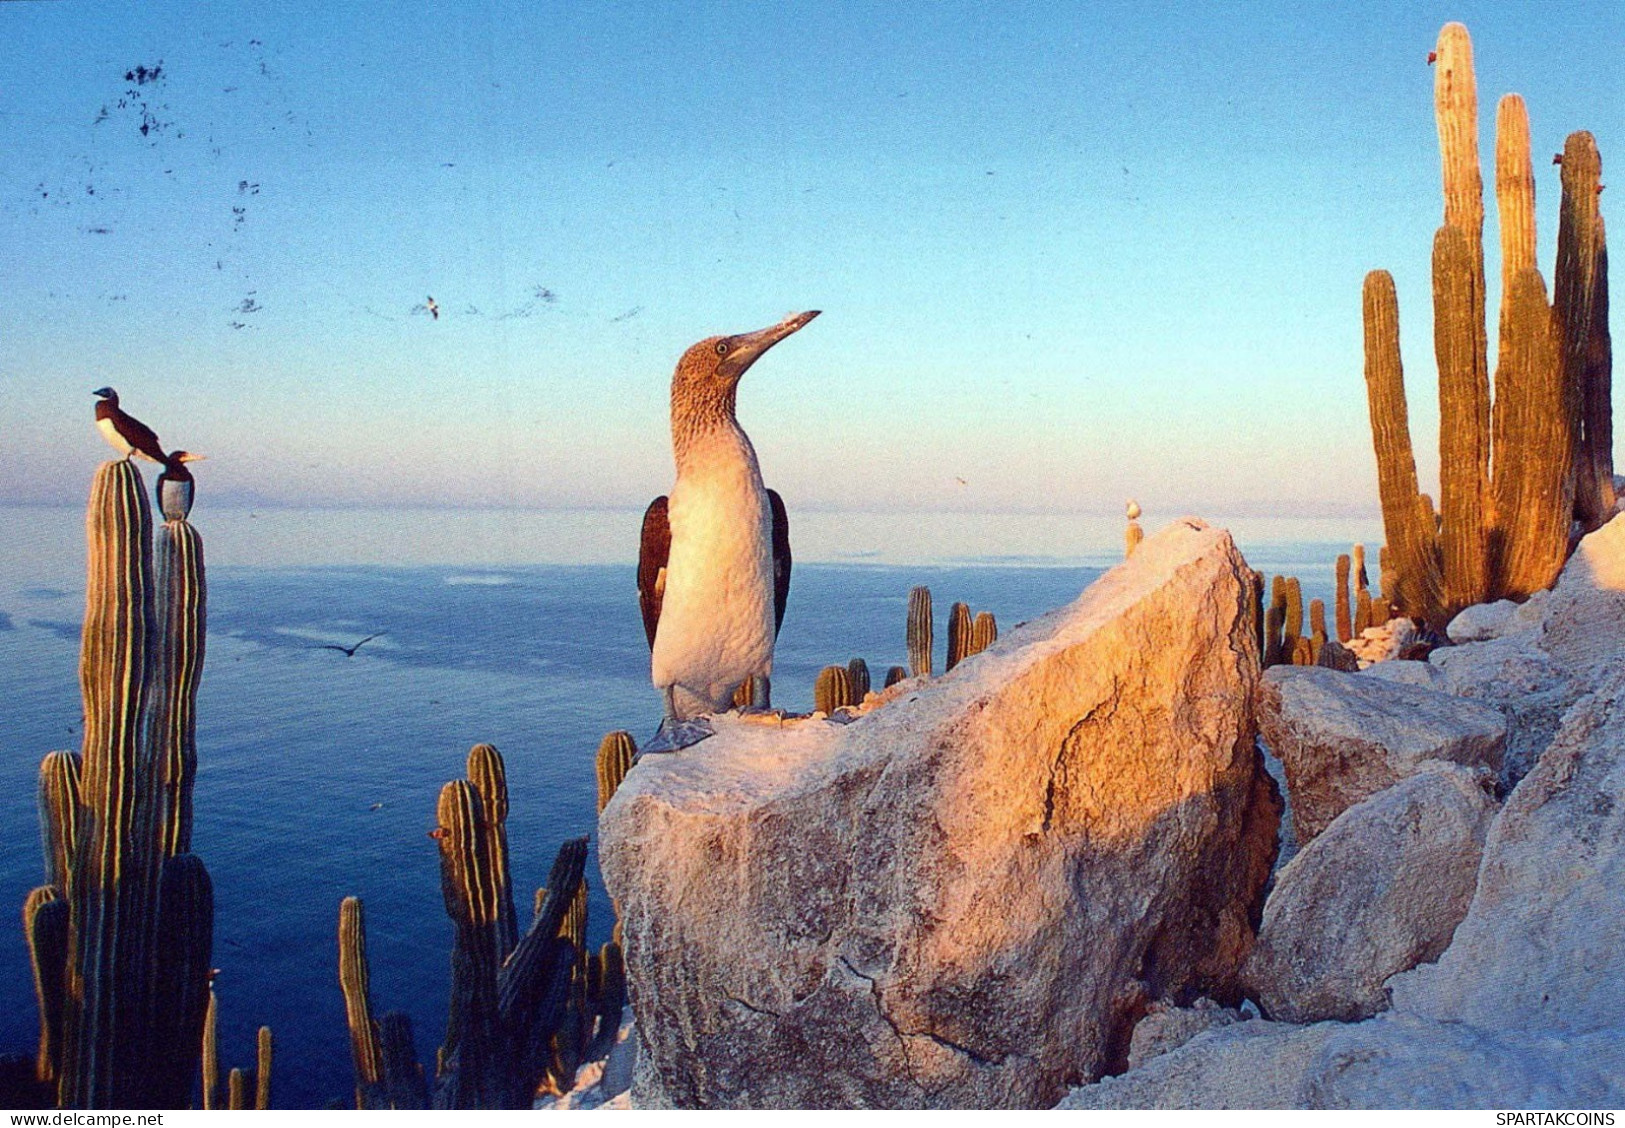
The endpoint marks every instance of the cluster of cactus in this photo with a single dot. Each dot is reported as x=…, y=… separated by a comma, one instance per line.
x=511, y=997
x=1515, y=480
x=121, y=933
x=967, y=635
x=239, y=1085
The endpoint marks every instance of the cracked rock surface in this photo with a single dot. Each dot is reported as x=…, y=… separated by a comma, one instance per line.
x=967, y=896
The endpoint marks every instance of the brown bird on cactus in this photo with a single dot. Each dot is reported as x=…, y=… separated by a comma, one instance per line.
x=123, y=432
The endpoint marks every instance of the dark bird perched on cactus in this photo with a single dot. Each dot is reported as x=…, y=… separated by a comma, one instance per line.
x=176, y=487
x=714, y=565
x=123, y=432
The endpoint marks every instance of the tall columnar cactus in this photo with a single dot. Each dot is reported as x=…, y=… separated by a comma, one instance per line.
x=919, y=632
x=894, y=675
x=959, y=624
x=1343, y=616
x=1483, y=543
x=1292, y=629
x=121, y=934
x=1534, y=546
x=507, y=999
x=615, y=754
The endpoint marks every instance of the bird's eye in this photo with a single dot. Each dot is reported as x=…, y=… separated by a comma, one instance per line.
x=722, y=348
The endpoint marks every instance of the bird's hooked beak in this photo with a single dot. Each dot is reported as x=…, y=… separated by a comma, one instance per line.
x=189, y=456
x=745, y=348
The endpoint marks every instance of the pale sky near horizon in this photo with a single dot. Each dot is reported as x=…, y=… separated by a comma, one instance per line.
x=1066, y=253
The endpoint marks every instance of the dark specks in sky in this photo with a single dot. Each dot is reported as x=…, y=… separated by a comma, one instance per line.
x=627, y=316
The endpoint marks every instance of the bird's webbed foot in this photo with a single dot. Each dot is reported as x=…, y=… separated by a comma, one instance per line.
x=675, y=734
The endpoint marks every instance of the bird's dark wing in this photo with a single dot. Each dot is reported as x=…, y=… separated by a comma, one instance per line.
x=364, y=642
x=142, y=437
x=781, y=558
x=652, y=556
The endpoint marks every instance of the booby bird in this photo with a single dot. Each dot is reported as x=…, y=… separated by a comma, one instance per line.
x=714, y=566
x=175, y=485
x=123, y=432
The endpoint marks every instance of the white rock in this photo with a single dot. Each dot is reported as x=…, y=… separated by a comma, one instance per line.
x=1344, y=737
x=1543, y=946
x=1166, y=1028
x=1482, y=621
x=1379, y=891
x=1419, y=674
x=964, y=897
x=1584, y=619
x=1383, y=643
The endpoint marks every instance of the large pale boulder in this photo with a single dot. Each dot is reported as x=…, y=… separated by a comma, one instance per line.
x=1584, y=620
x=1515, y=676
x=1344, y=737
x=965, y=896
x=1543, y=945
x=1381, y=890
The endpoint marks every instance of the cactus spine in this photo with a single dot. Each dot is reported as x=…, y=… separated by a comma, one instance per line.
x=615, y=754
x=919, y=632
x=833, y=689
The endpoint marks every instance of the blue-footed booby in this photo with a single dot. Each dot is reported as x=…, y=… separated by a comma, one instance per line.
x=124, y=433
x=714, y=567
x=175, y=485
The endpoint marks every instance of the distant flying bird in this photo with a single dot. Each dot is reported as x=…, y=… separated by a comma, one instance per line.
x=123, y=432
x=175, y=485
x=714, y=565
x=434, y=309
x=349, y=651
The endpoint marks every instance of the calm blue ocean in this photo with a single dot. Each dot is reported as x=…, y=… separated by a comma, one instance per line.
x=318, y=773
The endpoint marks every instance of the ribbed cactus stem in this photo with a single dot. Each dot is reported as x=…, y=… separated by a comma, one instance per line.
x=1598, y=397
x=1362, y=580
x=1132, y=536
x=1292, y=628
x=473, y=1032
x=833, y=690
x=1464, y=404
x=919, y=631
x=104, y=1039
x=615, y=754
x=1343, y=616
x=211, y=1053
x=857, y=672
x=894, y=675
x=45, y=926
x=404, y=1083
x=984, y=631
x=1531, y=489
x=177, y=668
x=59, y=817
x=755, y=692
x=1274, y=619
x=1409, y=526
x=489, y=776
x=1574, y=293
x=959, y=624
x=1515, y=205
x=237, y=1091
x=354, y=981
x=184, y=946
x=262, y=1069
x=1364, y=614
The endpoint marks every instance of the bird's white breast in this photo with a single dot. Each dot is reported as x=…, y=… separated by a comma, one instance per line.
x=114, y=439
x=716, y=620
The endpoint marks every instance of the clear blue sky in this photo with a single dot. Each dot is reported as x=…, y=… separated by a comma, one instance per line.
x=1067, y=253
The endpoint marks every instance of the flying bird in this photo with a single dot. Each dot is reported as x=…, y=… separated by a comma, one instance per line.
x=714, y=565
x=175, y=485
x=434, y=309
x=348, y=651
x=123, y=432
